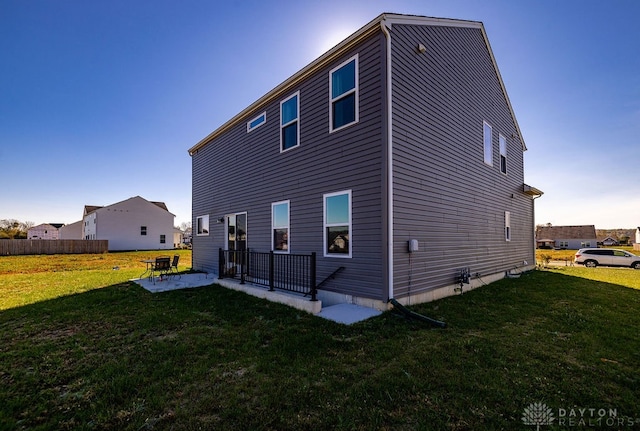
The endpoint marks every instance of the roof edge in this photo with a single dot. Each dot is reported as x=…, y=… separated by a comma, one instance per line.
x=319, y=62
x=388, y=19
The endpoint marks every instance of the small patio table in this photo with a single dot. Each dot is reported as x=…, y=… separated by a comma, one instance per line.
x=149, y=263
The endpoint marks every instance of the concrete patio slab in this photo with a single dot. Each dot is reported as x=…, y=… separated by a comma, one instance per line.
x=184, y=281
x=341, y=313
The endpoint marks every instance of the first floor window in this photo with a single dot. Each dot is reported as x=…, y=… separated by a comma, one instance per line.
x=280, y=226
x=143, y=230
x=202, y=225
x=337, y=224
x=507, y=226
x=488, y=146
x=163, y=239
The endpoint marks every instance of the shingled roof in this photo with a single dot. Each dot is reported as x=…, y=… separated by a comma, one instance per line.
x=565, y=232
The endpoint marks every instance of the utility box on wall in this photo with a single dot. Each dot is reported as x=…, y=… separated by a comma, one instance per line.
x=413, y=245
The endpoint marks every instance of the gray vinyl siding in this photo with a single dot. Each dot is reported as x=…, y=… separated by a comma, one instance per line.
x=445, y=196
x=245, y=172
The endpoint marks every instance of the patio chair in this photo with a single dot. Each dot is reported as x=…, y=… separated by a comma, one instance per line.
x=162, y=267
x=174, y=265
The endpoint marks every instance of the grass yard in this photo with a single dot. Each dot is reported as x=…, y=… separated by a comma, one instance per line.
x=28, y=279
x=103, y=354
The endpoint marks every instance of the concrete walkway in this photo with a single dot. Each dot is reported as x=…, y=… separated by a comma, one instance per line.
x=348, y=313
x=341, y=313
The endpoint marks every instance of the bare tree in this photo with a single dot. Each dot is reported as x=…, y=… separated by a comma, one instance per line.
x=14, y=229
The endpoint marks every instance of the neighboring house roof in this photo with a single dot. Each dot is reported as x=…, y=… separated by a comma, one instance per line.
x=382, y=23
x=88, y=209
x=161, y=205
x=565, y=232
x=47, y=226
x=39, y=226
x=609, y=240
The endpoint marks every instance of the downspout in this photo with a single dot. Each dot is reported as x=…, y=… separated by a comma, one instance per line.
x=385, y=31
x=535, y=242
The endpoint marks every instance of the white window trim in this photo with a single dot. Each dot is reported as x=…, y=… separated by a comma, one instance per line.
x=205, y=219
x=250, y=128
x=282, y=126
x=326, y=225
x=507, y=225
x=288, y=227
x=355, y=90
x=487, y=149
x=503, y=152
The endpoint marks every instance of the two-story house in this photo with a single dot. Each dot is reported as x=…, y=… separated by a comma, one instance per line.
x=396, y=155
x=132, y=224
x=44, y=231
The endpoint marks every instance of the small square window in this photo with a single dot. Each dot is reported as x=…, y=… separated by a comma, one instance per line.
x=343, y=91
x=143, y=230
x=163, y=239
x=256, y=122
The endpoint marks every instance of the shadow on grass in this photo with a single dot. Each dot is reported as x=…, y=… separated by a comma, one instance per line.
x=122, y=358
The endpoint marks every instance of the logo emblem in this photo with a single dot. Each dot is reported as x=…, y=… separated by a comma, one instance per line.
x=538, y=414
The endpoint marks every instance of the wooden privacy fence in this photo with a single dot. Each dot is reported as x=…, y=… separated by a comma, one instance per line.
x=14, y=247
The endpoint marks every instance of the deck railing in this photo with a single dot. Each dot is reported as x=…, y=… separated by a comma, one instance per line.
x=291, y=272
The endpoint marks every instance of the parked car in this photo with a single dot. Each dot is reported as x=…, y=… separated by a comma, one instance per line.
x=593, y=257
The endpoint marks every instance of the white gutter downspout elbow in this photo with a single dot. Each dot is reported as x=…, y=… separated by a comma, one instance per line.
x=385, y=30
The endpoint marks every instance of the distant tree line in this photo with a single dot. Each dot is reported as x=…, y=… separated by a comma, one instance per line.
x=14, y=229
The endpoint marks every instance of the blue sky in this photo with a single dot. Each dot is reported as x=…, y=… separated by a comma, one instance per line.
x=100, y=100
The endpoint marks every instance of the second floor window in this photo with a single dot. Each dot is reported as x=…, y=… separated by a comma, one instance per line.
x=343, y=91
x=289, y=122
x=143, y=230
x=503, y=154
x=488, y=143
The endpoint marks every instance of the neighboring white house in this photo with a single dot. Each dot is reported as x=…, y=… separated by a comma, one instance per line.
x=178, y=237
x=44, y=231
x=609, y=241
x=133, y=224
x=71, y=231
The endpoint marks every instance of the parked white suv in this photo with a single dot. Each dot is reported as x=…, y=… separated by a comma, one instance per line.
x=593, y=257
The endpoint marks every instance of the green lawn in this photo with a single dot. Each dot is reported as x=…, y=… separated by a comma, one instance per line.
x=114, y=356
